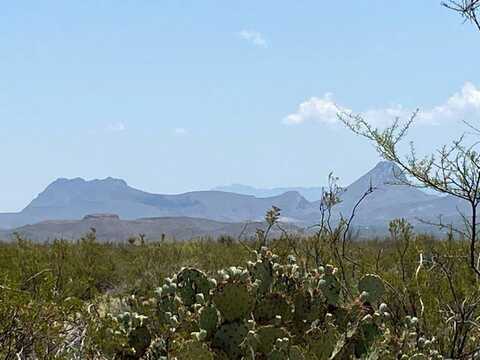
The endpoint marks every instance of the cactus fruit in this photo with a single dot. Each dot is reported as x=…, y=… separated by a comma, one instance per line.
x=330, y=286
x=234, y=300
x=371, y=288
x=191, y=282
x=208, y=319
x=272, y=305
x=229, y=337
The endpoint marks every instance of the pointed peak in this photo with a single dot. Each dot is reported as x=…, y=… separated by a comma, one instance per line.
x=384, y=173
x=386, y=165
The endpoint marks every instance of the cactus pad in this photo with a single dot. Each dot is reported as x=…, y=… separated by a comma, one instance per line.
x=267, y=336
x=271, y=306
x=208, y=319
x=191, y=350
x=191, y=282
x=308, y=307
x=320, y=344
x=229, y=337
x=139, y=339
x=368, y=332
x=234, y=300
x=330, y=287
x=262, y=271
x=371, y=287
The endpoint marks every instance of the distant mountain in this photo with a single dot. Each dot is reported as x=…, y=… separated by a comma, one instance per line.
x=390, y=195
x=309, y=193
x=71, y=200
x=112, y=228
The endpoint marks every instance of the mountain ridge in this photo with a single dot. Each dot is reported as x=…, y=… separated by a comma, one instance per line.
x=73, y=199
x=110, y=228
x=309, y=193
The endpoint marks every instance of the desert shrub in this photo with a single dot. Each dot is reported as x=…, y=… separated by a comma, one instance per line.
x=87, y=299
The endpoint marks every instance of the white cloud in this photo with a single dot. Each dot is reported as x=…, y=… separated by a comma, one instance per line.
x=463, y=105
x=253, y=37
x=315, y=109
x=116, y=127
x=460, y=106
x=180, y=131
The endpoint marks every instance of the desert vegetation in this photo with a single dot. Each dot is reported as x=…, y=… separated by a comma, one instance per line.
x=405, y=296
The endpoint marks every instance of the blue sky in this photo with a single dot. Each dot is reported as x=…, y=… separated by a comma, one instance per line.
x=179, y=95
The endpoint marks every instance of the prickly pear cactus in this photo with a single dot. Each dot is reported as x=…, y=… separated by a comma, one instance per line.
x=208, y=319
x=270, y=311
x=330, y=286
x=234, y=299
x=138, y=336
x=371, y=288
x=267, y=336
x=368, y=333
x=168, y=302
x=262, y=270
x=283, y=351
x=358, y=340
x=191, y=350
x=271, y=306
x=307, y=306
x=229, y=337
x=321, y=341
x=191, y=282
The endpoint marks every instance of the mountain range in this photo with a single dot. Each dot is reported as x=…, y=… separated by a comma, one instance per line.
x=63, y=208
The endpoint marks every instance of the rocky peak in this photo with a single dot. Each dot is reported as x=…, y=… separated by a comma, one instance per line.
x=383, y=174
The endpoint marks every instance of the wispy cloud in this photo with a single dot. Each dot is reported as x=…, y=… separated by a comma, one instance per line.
x=462, y=105
x=116, y=127
x=180, y=131
x=254, y=37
